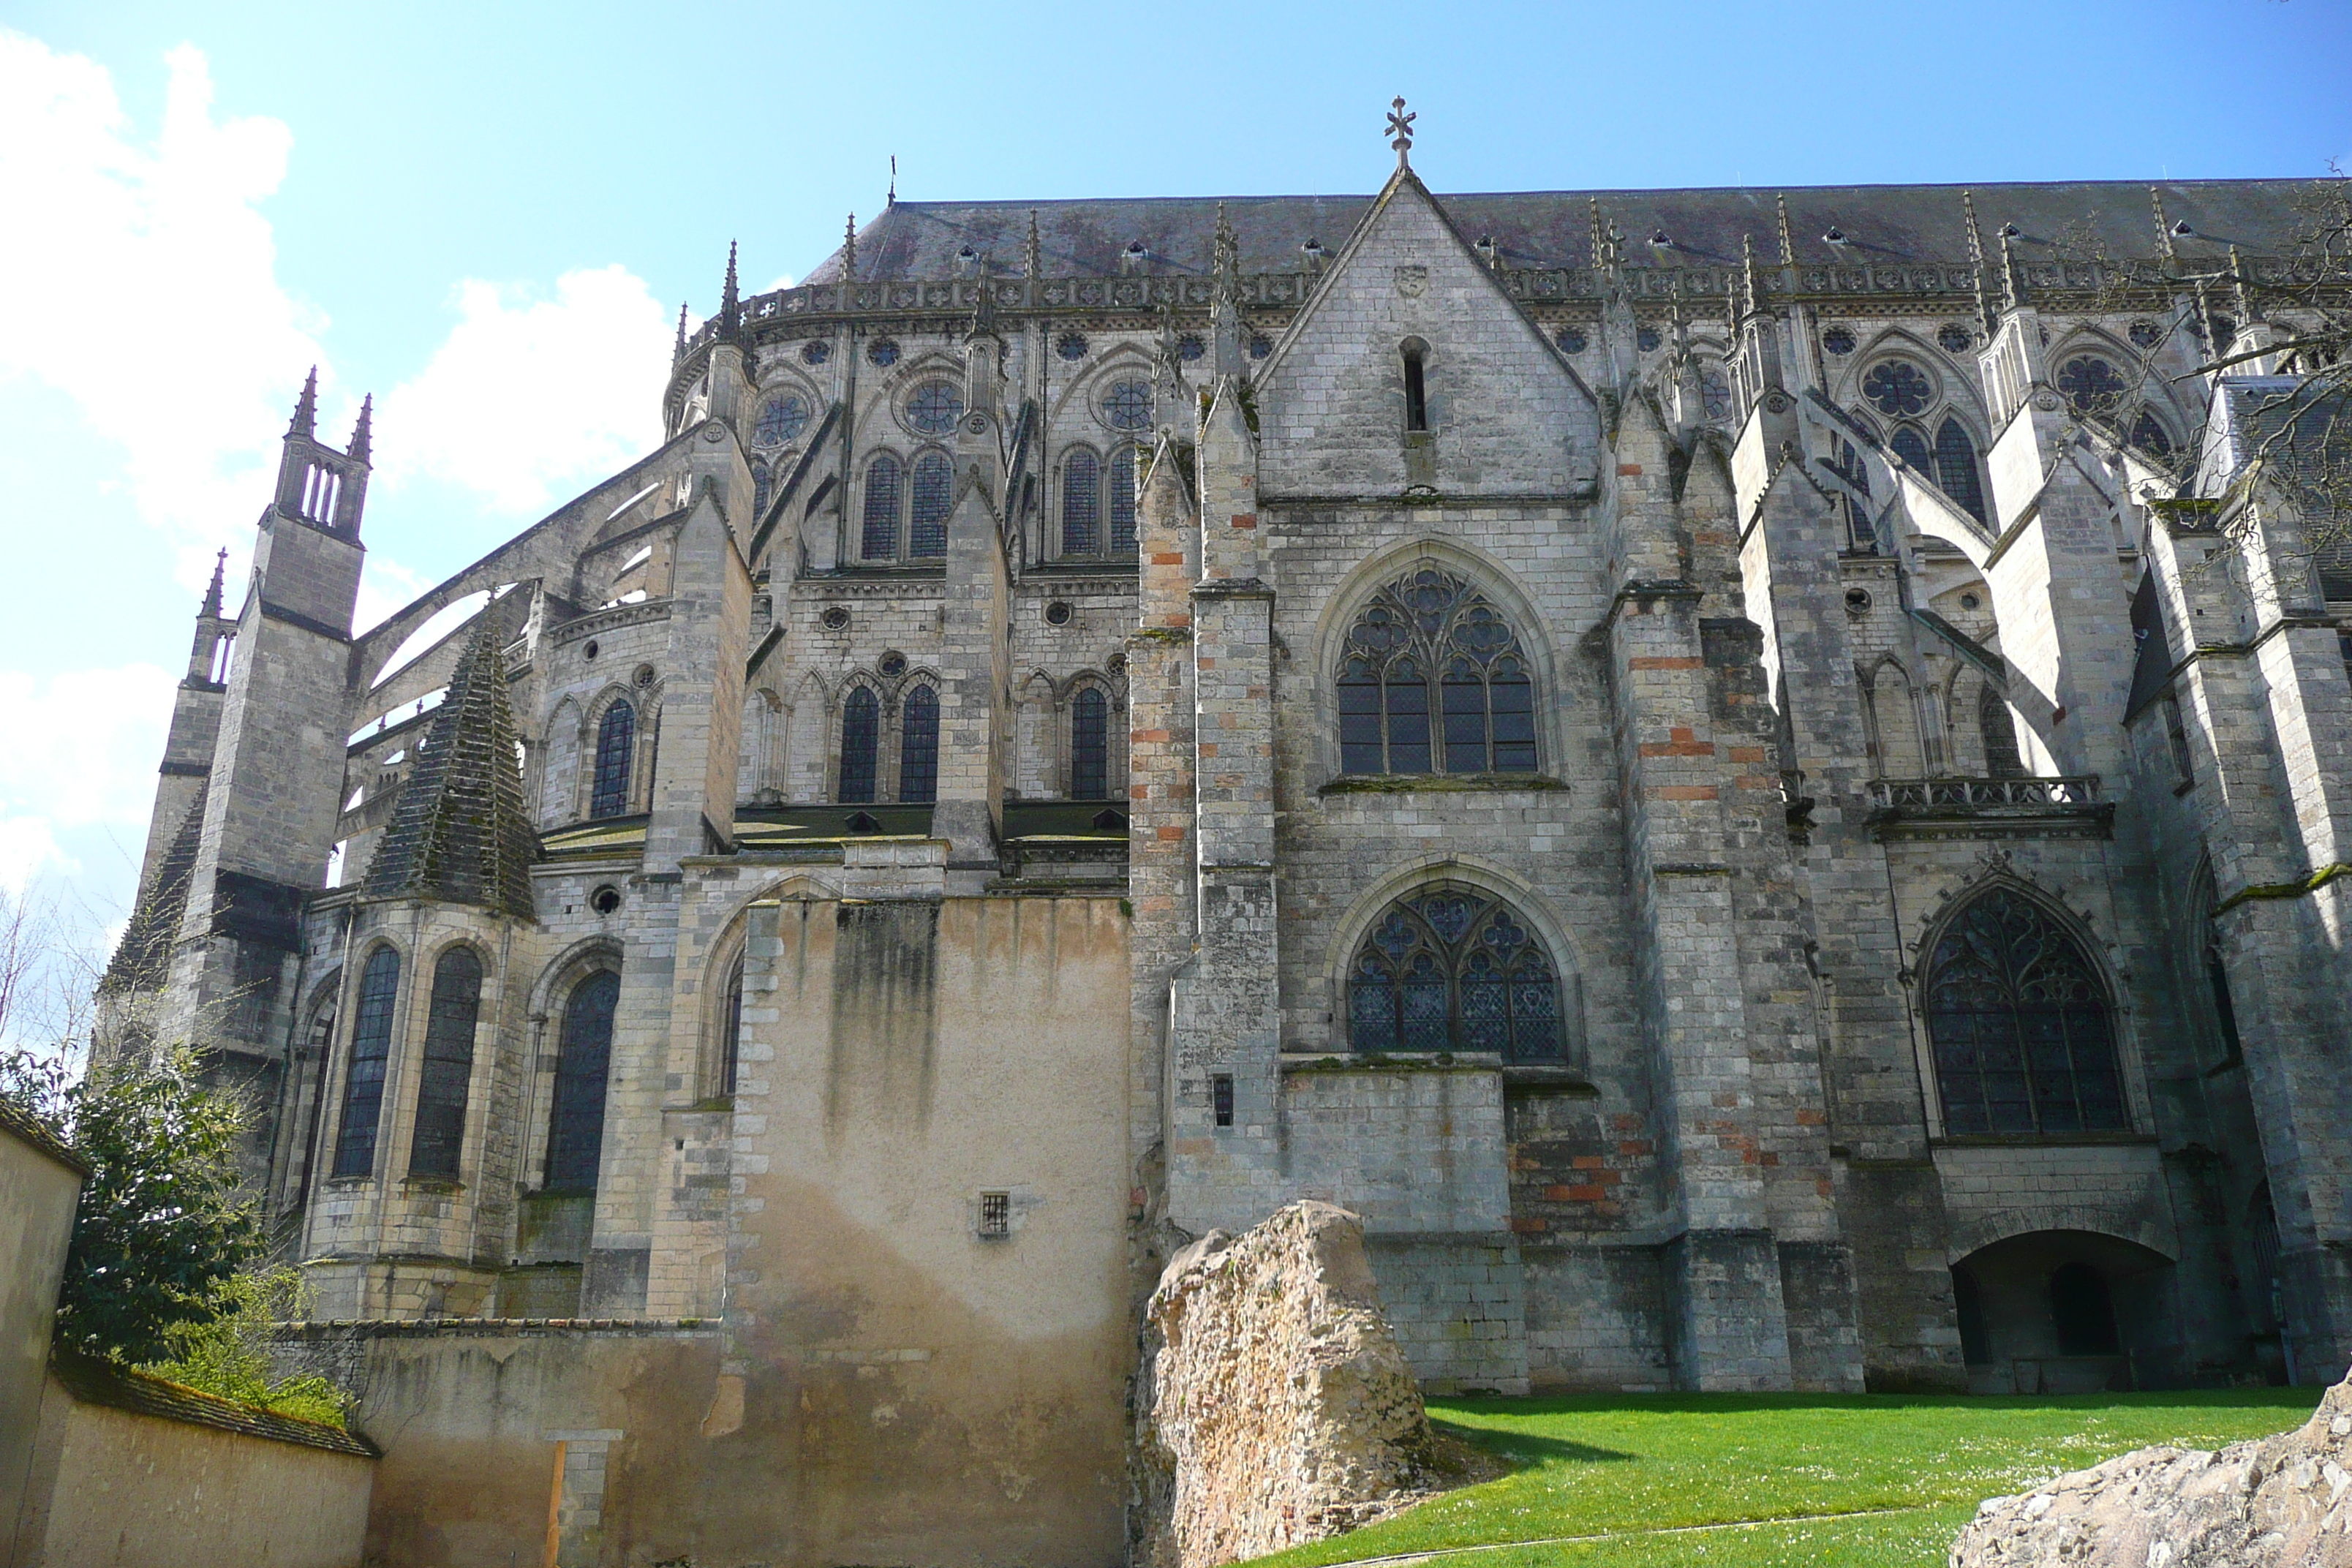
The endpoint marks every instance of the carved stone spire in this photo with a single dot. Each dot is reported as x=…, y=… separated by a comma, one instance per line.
x=212, y=607
x=1225, y=299
x=1985, y=311
x=306, y=407
x=849, y=251
x=731, y=303
x=1032, y=250
x=1599, y=238
x=1750, y=274
x=1788, y=244
x=2250, y=310
x=362, y=432
x=2164, y=245
x=2012, y=281
x=678, y=353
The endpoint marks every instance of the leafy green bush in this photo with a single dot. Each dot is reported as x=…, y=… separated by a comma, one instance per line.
x=227, y=1355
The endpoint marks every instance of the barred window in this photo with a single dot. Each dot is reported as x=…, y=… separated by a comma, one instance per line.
x=449, y=1019
x=616, y=736
x=934, y=488
x=2024, y=1039
x=919, y=746
x=880, y=540
x=1089, y=746
x=1123, y=501
x=861, y=728
x=584, y=1056
x=1956, y=469
x=1452, y=969
x=371, y=1048
x=1081, y=501
x=1430, y=644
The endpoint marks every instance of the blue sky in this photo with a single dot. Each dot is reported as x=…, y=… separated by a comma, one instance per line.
x=488, y=216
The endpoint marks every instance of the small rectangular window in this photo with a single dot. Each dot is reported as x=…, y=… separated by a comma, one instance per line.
x=996, y=1214
x=2177, y=734
x=1416, y=401
x=1220, y=1093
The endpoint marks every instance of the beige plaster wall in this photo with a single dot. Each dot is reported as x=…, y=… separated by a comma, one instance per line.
x=36, y=1210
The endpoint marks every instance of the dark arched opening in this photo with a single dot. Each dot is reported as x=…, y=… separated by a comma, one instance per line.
x=2068, y=1311
x=576, y=1141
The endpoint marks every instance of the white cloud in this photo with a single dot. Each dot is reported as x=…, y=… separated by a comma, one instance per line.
x=142, y=278
x=532, y=396
x=82, y=753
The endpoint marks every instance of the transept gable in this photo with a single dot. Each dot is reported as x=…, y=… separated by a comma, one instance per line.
x=1504, y=412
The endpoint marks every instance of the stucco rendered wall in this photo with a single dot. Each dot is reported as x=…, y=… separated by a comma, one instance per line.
x=36, y=1210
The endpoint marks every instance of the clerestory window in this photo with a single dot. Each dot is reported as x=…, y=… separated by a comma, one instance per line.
x=1433, y=679
x=1452, y=969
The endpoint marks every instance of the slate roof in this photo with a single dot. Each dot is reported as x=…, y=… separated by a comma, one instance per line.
x=1553, y=228
x=145, y=949
x=459, y=832
x=94, y=1382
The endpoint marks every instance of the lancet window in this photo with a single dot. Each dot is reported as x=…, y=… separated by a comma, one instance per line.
x=584, y=1056
x=449, y=1020
x=1089, y=745
x=370, y=1054
x=878, y=540
x=1452, y=969
x=1434, y=679
x=934, y=490
x=616, y=737
x=2023, y=1036
x=1081, y=503
x=861, y=730
x=1123, y=501
x=919, y=746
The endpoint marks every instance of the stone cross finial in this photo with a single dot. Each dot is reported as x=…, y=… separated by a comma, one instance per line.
x=1400, y=130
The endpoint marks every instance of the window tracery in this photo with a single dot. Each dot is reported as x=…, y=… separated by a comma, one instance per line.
x=372, y=1022
x=2023, y=1038
x=2091, y=385
x=1449, y=968
x=616, y=736
x=1897, y=388
x=1127, y=406
x=934, y=490
x=449, y=1063
x=935, y=407
x=1430, y=647
x=781, y=419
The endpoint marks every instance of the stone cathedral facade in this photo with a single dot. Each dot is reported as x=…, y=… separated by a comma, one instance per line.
x=1748, y=780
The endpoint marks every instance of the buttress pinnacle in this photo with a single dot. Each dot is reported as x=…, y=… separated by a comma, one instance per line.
x=212, y=607
x=360, y=432
x=306, y=407
x=731, y=305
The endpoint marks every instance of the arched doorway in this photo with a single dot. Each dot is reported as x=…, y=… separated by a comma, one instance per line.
x=2067, y=1311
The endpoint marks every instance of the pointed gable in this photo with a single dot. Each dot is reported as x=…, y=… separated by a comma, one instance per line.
x=459, y=832
x=1507, y=413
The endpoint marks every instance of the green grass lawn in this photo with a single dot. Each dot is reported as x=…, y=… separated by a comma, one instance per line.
x=1896, y=1476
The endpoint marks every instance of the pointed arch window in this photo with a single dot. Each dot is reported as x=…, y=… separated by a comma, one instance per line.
x=934, y=489
x=762, y=487
x=1123, y=501
x=1452, y=969
x=449, y=1019
x=2023, y=1037
x=1081, y=501
x=2148, y=435
x=575, y=1140
x=730, y=1054
x=1089, y=745
x=861, y=728
x=879, y=539
x=1912, y=448
x=919, y=746
x=616, y=740
x=371, y=1053
x=1956, y=467
x=1428, y=647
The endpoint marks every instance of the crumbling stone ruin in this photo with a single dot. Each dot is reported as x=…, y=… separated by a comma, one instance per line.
x=2277, y=1503
x=1273, y=1405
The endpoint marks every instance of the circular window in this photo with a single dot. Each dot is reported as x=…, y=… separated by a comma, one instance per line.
x=605, y=899
x=1713, y=392
x=835, y=619
x=935, y=407
x=816, y=351
x=1569, y=340
x=1897, y=387
x=645, y=675
x=1857, y=601
x=2090, y=385
x=1838, y=341
x=1647, y=338
x=1969, y=601
x=893, y=663
x=1057, y=614
x=1190, y=347
x=2145, y=335
x=1127, y=406
x=782, y=420
x=590, y=651
x=1955, y=338
x=1260, y=345
x=883, y=351
x=1071, y=345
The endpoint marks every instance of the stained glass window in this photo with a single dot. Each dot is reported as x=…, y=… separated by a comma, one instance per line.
x=1089, y=745
x=1569, y=340
x=2149, y=436
x=1071, y=345
x=861, y=728
x=1713, y=392
x=730, y=1053
x=2090, y=385
x=1190, y=347
x=1123, y=501
x=919, y=746
x=616, y=736
x=880, y=541
x=371, y=1049
x=575, y=1140
x=1956, y=467
x=781, y=419
x=935, y=407
x=449, y=1019
x=817, y=352
x=1450, y=969
x=1429, y=643
x=2022, y=1036
x=1081, y=501
x=1127, y=406
x=2146, y=334
x=1897, y=388
x=1260, y=345
x=883, y=351
x=1955, y=338
x=934, y=488
x=1838, y=341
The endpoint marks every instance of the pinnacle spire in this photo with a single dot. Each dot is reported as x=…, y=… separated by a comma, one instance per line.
x=679, y=352
x=2247, y=310
x=849, y=251
x=1598, y=237
x=1787, y=245
x=2012, y=281
x=306, y=407
x=362, y=432
x=1985, y=311
x=1751, y=276
x=730, y=304
x=459, y=832
x=212, y=607
x=1032, y=250
x=2163, y=229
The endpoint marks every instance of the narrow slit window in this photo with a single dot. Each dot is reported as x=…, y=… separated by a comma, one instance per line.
x=1221, y=1096
x=1123, y=501
x=1416, y=398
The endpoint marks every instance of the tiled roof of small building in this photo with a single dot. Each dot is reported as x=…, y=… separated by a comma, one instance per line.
x=2077, y=220
x=95, y=1381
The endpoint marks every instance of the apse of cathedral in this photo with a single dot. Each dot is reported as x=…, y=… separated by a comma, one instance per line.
x=1757, y=781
